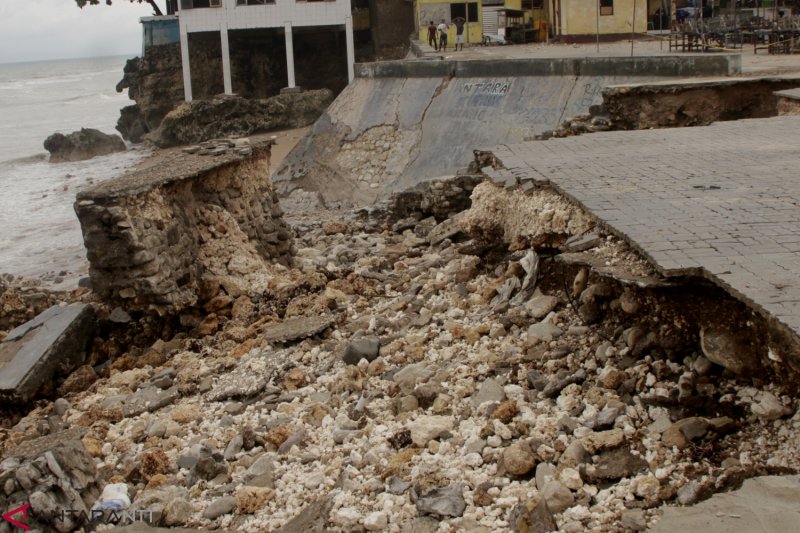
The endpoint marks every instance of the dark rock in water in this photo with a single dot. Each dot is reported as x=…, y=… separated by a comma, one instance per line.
x=359, y=349
x=234, y=116
x=84, y=144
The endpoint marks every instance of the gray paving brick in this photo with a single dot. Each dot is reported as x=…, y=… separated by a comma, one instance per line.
x=724, y=199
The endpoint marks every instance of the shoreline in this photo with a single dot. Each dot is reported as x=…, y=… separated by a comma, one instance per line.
x=66, y=277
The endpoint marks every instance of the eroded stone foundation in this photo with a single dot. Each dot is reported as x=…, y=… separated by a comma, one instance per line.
x=167, y=238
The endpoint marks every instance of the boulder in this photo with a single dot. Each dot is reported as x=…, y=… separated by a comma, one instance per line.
x=131, y=124
x=729, y=350
x=234, y=116
x=80, y=145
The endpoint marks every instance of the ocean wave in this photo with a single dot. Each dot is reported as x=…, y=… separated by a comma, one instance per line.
x=36, y=158
x=18, y=85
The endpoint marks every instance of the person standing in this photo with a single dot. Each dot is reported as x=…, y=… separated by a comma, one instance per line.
x=443, y=36
x=432, y=36
x=459, y=23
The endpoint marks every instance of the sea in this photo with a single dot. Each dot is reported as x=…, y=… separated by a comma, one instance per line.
x=40, y=236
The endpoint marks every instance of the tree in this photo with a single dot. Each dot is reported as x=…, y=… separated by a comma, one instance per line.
x=156, y=9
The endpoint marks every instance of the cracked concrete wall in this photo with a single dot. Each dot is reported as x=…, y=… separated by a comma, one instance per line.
x=159, y=239
x=431, y=126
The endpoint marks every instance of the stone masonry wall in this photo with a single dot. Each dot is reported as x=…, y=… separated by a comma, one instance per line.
x=170, y=237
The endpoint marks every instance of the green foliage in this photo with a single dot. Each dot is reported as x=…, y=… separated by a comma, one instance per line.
x=82, y=3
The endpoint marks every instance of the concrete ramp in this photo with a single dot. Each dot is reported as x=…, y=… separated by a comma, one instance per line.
x=403, y=122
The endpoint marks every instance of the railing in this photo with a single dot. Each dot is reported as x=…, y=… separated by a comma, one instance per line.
x=697, y=34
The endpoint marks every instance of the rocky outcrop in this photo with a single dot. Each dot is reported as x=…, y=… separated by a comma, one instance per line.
x=155, y=82
x=84, y=144
x=233, y=116
x=170, y=237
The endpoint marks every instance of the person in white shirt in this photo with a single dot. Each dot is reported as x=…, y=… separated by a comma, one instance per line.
x=443, y=36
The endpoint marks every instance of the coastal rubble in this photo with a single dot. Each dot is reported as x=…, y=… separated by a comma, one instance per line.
x=510, y=389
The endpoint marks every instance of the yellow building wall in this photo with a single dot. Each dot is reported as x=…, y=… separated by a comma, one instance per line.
x=580, y=17
x=436, y=10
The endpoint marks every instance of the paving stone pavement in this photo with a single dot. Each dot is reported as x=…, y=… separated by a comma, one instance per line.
x=762, y=505
x=721, y=201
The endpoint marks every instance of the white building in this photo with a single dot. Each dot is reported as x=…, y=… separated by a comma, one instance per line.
x=224, y=15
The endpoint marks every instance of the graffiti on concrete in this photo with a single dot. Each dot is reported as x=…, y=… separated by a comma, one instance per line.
x=499, y=88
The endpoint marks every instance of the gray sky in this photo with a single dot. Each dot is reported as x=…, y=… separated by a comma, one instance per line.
x=32, y=30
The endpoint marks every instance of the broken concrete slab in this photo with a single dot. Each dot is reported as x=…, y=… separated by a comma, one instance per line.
x=581, y=243
x=36, y=447
x=149, y=399
x=52, y=343
x=298, y=328
x=446, y=230
x=763, y=505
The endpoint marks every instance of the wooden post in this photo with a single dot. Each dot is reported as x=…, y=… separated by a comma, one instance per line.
x=673, y=16
x=633, y=26
x=466, y=18
x=598, y=26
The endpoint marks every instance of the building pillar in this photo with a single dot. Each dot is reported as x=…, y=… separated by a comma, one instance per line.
x=226, y=60
x=187, y=72
x=287, y=32
x=351, y=49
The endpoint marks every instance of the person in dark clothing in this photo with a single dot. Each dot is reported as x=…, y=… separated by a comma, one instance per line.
x=459, y=22
x=432, y=36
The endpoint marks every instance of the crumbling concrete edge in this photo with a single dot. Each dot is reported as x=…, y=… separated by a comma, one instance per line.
x=682, y=85
x=510, y=172
x=667, y=66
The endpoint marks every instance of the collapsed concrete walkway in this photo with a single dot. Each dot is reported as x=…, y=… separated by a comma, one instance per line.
x=718, y=201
